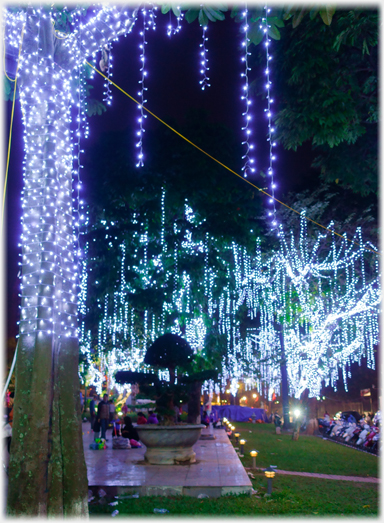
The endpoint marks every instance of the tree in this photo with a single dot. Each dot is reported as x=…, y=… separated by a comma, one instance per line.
x=173, y=353
x=47, y=474
x=163, y=233
x=326, y=89
x=46, y=374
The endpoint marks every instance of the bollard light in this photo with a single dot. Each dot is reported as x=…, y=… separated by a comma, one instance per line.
x=269, y=473
x=253, y=454
x=237, y=435
x=242, y=443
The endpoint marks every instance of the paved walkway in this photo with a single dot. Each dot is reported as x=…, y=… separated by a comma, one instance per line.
x=360, y=479
x=217, y=471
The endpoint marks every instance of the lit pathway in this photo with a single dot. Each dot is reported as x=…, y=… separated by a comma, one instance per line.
x=324, y=476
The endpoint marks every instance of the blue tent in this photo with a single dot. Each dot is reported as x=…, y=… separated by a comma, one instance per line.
x=235, y=413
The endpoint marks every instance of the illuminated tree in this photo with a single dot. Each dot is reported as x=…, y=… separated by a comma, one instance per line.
x=325, y=304
x=47, y=474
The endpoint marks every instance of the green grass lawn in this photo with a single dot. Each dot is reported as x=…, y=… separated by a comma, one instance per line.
x=291, y=495
x=308, y=454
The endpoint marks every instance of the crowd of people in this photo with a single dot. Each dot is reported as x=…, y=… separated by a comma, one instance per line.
x=103, y=415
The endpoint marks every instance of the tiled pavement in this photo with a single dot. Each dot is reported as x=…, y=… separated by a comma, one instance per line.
x=218, y=470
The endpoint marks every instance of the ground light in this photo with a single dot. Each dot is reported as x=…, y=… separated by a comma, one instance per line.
x=254, y=454
x=270, y=473
x=237, y=435
x=242, y=443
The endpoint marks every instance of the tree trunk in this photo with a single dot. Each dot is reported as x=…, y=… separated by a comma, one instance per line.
x=47, y=472
x=194, y=403
x=284, y=378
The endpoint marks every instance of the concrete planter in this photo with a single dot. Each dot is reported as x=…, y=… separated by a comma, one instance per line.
x=169, y=445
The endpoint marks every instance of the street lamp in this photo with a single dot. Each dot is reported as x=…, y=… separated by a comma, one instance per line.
x=254, y=454
x=269, y=473
x=242, y=443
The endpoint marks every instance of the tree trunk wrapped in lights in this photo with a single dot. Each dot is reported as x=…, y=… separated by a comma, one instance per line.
x=47, y=472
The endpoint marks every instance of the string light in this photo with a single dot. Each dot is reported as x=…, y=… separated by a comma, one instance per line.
x=268, y=110
x=326, y=304
x=174, y=30
x=248, y=166
x=326, y=326
x=152, y=17
x=50, y=197
x=141, y=93
x=204, y=60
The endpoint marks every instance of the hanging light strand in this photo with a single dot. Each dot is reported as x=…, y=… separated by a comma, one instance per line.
x=268, y=110
x=141, y=93
x=171, y=30
x=204, y=60
x=248, y=166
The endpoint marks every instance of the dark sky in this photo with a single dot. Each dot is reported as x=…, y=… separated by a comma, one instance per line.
x=173, y=88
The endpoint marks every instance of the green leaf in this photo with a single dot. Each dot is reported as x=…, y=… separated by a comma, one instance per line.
x=273, y=32
x=255, y=14
x=278, y=22
x=236, y=10
x=313, y=12
x=327, y=14
x=277, y=12
x=176, y=10
x=88, y=69
x=9, y=89
x=288, y=12
x=255, y=33
x=95, y=107
x=365, y=47
x=221, y=7
x=191, y=15
x=217, y=15
x=203, y=20
x=298, y=16
x=209, y=13
x=165, y=8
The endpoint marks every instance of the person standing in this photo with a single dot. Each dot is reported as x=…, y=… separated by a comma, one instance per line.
x=112, y=410
x=92, y=409
x=103, y=415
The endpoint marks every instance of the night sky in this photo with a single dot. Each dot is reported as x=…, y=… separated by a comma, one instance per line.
x=173, y=89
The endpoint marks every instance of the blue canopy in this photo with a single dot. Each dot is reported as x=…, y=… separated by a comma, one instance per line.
x=236, y=413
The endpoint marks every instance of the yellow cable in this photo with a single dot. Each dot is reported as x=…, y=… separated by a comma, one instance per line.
x=10, y=129
x=217, y=161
